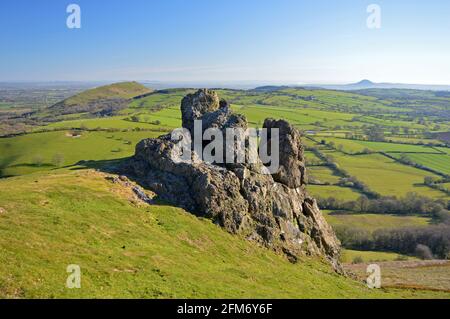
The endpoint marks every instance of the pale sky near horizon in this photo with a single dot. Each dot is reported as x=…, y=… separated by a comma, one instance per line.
x=279, y=41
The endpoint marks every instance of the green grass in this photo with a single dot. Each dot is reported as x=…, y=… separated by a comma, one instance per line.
x=437, y=162
x=411, y=140
x=373, y=222
x=310, y=156
x=35, y=152
x=124, y=90
x=444, y=150
x=256, y=114
x=343, y=193
x=168, y=119
x=323, y=174
x=355, y=146
x=348, y=256
x=134, y=251
x=390, y=122
x=158, y=100
x=116, y=122
x=385, y=176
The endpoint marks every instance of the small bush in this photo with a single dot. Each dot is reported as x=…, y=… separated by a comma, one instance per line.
x=423, y=252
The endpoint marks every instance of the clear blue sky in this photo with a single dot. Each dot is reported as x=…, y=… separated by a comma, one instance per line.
x=295, y=41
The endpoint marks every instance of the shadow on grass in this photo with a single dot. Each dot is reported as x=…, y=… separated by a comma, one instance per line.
x=115, y=166
x=120, y=168
x=32, y=165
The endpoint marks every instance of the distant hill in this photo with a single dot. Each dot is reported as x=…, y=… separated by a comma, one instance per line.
x=269, y=88
x=361, y=85
x=101, y=100
x=367, y=84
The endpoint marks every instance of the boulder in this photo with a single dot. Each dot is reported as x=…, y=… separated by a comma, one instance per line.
x=292, y=163
x=272, y=210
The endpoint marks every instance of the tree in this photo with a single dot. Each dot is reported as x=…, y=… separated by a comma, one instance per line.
x=58, y=160
x=429, y=180
x=405, y=159
x=362, y=204
x=395, y=130
x=423, y=252
x=38, y=160
x=375, y=134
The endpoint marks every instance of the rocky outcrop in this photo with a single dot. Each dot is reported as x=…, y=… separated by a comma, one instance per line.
x=292, y=163
x=273, y=210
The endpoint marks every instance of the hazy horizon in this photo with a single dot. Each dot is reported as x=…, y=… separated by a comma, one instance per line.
x=276, y=42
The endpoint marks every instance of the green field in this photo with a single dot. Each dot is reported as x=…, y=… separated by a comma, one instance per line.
x=437, y=162
x=444, y=150
x=373, y=222
x=385, y=176
x=323, y=174
x=349, y=256
x=311, y=157
x=356, y=146
x=411, y=140
x=158, y=100
x=36, y=152
x=326, y=191
x=124, y=90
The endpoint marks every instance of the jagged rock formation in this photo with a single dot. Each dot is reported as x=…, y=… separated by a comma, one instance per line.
x=273, y=210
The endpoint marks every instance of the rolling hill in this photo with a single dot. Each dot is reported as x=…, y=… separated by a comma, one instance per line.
x=101, y=101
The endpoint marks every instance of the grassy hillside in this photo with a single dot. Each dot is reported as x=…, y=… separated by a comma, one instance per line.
x=125, y=249
x=104, y=100
x=373, y=222
x=386, y=176
x=47, y=151
x=123, y=90
x=51, y=217
x=349, y=256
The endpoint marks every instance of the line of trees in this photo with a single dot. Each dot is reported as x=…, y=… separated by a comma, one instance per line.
x=404, y=159
x=346, y=179
x=437, y=184
x=411, y=204
x=424, y=242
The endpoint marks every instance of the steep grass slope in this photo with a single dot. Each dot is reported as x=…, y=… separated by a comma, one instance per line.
x=49, y=221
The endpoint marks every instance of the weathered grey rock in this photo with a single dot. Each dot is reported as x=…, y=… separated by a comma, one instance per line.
x=194, y=106
x=274, y=211
x=292, y=162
